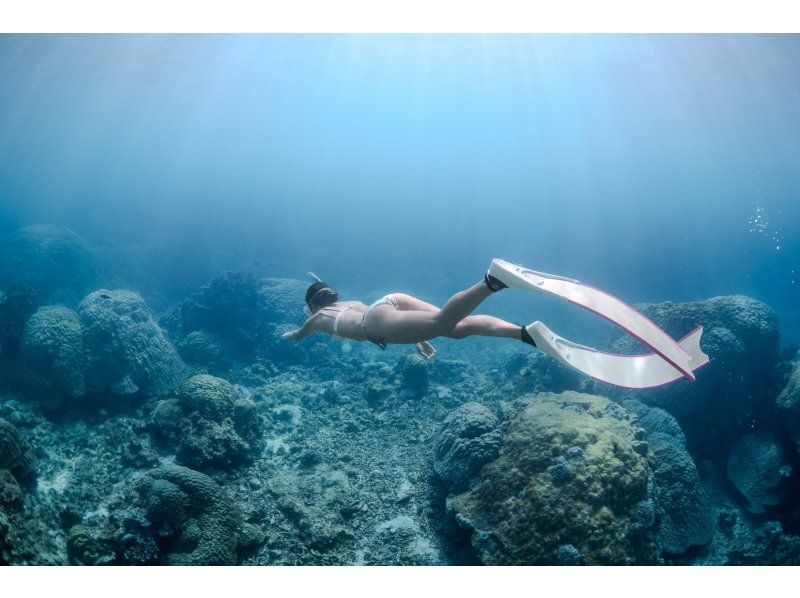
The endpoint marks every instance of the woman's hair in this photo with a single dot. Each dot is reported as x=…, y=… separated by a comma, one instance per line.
x=320, y=295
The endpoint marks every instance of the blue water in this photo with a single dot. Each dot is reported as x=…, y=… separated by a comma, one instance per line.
x=657, y=167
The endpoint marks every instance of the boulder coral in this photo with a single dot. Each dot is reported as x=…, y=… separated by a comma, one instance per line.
x=127, y=351
x=209, y=424
x=570, y=483
x=200, y=523
x=53, y=357
x=467, y=440
x=683, y=510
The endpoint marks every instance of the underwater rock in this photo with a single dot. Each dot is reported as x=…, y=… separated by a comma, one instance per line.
x=518, y=514
x=16, y=454
x=48, y=258
x=683, y=511
x=760, y=469
x=127, y=351
x=742, y=340
x=198, y=520
x=209, y=424
x=467, y=440
x=17, y=304
x=53, y=357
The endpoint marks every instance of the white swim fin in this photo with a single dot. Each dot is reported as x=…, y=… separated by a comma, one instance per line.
x=629, y=371
x=620, y=313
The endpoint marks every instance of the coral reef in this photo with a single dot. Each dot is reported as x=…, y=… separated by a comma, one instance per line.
x=127, y=351
x=567, y=487
x=467, y=440
x=209, y=424
x=266, y=452
x=48, y=259
x=760, y=469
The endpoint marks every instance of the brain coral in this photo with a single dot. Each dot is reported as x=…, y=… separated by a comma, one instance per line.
x=202, y=523
x=568, y=481
x=53, y=356
x=48, y=258
x=127, y=350
x=466, y=441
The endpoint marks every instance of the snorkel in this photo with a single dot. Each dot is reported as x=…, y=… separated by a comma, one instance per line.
x=318, y=294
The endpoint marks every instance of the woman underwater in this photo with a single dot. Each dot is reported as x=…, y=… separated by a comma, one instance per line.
x=402, y=319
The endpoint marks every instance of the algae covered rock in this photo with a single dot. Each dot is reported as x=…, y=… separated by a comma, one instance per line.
x=127, y=351
x=209, y=424
x=53, y=356
x=467, y=440
x=760, y=469
x=568, y=475
x=48, y=258
x=200, y=523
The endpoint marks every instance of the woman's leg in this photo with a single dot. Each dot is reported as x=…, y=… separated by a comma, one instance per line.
x=424, y=324
x=485, y=326
x=462, y=304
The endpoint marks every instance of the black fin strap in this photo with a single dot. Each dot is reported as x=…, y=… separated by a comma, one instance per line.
x=494, y=284
x=526, y=337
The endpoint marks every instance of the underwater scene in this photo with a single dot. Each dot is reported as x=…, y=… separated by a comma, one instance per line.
x=399, y=299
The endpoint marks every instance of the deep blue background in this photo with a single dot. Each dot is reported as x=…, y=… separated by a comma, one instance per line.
x=405, y=163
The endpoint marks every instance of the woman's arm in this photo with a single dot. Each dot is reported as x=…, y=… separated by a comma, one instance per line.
x=309, y=327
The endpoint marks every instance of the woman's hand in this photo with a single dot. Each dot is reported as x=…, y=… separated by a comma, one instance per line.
x=291, y=335
x=425, y=349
